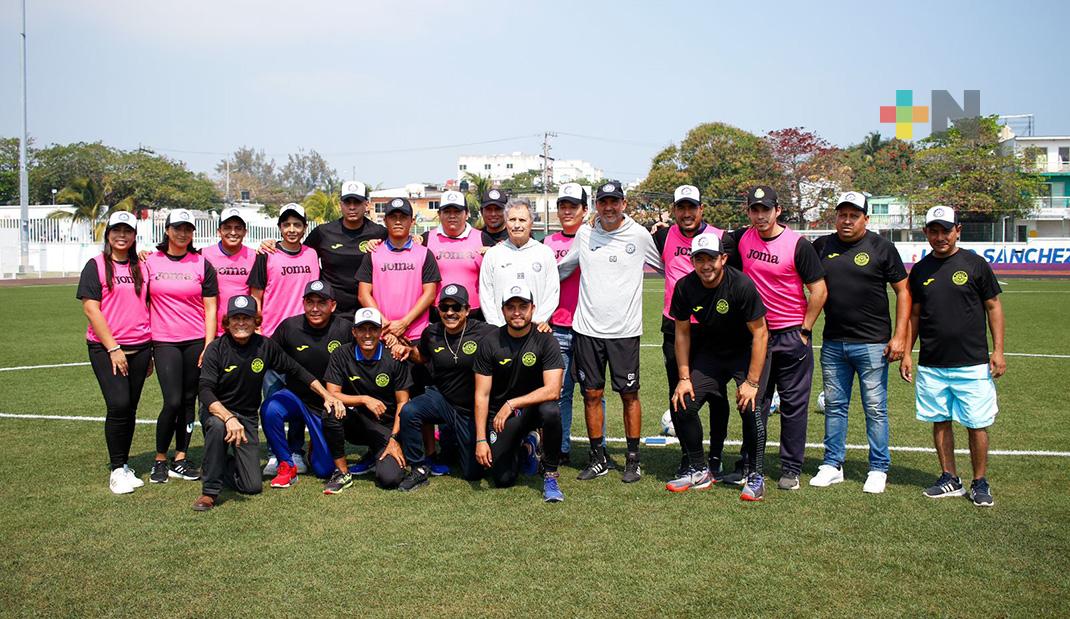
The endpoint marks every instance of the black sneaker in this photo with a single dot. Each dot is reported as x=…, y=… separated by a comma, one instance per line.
x=737, y=477
x=596, y=468
x=338, y=482
x=159, y=472
x=947, y=485
x=632, y=471
x=716, y=474
x=182, y=469
x=980, y=493
x=416, y=479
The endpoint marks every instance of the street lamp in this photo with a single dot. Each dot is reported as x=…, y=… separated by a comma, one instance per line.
x=54, y=191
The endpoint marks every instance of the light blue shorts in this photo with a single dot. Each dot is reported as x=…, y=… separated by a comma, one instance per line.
x=966, y=395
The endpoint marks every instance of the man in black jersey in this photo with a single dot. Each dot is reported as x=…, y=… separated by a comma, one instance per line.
x=373, y=386
x=308, y=339
x=731, y=345
x=492, y=209
x=858, y=339
x=448, y=348
x=954, y=292
x=518, y=380
x=232, y=377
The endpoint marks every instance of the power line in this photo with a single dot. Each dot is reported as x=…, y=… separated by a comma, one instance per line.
x=367, y=152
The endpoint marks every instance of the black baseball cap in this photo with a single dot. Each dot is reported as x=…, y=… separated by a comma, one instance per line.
x=854, y=199
x=494, y=196
x=399, y=204
x=241, y=304
x=320, y=288
x=610, y=189
x=454, y=292
x=762, y=194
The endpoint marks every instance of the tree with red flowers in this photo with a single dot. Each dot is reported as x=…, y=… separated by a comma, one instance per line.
x=812, y=173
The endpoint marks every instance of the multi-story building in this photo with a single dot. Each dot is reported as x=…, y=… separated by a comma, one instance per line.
x=1048, y=156
x=502, y=167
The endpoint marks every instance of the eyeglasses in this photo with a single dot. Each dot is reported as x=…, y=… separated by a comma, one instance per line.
x=446, y=308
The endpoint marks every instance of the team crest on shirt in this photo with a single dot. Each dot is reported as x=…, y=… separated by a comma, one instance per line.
x=722, y=306
x=960, y=278
x=629, y=248
x=382, y=380
x=363, y=247
x=536, y=267
x=257, y=365
x=528, y=359
x=469, y=347
x=861, y=258
x=333, y=345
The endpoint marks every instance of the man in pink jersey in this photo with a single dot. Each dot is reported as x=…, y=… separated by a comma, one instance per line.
x=782, y=263
x=278, y=280
x=232, y=260
x=458, y=249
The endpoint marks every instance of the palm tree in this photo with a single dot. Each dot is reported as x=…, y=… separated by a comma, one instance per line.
x=87, y=197
x=477, y=186
x=321, y=206
x=871, y=144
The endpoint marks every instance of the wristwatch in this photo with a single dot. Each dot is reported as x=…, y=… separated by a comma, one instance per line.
x=808, y=333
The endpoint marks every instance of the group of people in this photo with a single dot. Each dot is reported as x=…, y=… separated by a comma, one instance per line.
x=462, y=347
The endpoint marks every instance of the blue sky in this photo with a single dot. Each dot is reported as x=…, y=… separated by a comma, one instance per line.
x=196, y=79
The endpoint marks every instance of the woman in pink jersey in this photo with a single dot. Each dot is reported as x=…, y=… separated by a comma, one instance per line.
x=232, y=260
x=458, y=249
x=183, y=293
x=278, y=279
x=113, y=290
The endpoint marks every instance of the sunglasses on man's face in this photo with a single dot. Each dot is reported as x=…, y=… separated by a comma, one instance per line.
x=446, y=308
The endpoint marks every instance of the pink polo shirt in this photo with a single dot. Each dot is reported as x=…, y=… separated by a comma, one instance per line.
x=177, y=289
x=771, y=264
x=232, y=272
x=459, y=259
x=125, y=311
x=283, y=277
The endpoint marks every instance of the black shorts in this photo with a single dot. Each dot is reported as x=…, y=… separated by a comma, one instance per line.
x=591, y=355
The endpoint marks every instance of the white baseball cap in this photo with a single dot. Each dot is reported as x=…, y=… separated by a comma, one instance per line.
x=706, y=243
x=230, y=213
x=943, y=215
x=354, y=189
x=292, y=207
x=122, y=217
x=453, y=198
x=518, y=291
x=180, y=216
x=855, y=199
x=686, y=193
x=572, y=192
x=368, y=314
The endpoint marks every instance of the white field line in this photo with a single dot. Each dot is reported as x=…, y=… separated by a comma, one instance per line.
x=1006, y=354
x=653, y=441
x=42, y=367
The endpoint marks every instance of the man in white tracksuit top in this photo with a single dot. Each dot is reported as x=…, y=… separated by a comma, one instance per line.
x=519, y=259
x=609, y=320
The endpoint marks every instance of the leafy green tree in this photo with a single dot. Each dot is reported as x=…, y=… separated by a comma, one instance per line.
x=523, y=182
x=87, y=197
x=306, y=173
x=477, y=186
x=58, y=165
x=322, y=207
x=9, y=168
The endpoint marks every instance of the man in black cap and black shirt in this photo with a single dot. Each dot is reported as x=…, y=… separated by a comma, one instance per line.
x=492, y=209
x=232, y=376
x=518, y=381
x=448, y=348
x=953, y=292
x=373, y=386
x=858, y=338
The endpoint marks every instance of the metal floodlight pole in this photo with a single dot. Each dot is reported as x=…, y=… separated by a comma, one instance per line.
x=24, y=181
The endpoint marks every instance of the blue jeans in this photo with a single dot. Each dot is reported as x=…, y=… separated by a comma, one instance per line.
x=431, y=407
x=563, y=335
x=840, y=361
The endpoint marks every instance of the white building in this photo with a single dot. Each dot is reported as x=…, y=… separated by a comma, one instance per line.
x=502, y=167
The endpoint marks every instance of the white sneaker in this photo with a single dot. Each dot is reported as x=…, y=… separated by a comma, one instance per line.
x=131, y=476
x=118, y=482
x=826, y=476
x=272, y=467
x=875, y=482
x=300, y=464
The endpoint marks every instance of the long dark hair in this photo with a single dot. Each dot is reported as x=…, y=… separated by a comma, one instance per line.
x=162, y=245
x=131, y=256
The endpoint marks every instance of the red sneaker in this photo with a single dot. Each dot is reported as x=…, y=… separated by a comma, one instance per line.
x=286, y=477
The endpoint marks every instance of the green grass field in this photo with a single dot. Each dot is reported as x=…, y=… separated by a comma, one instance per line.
x=71, y=548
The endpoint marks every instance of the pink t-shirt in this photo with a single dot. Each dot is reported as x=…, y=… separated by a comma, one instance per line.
x=283, y=280
x=125, y=311
x=397, y=283
x=570, y=286
x=772, y=267
x=232, y=272
x=676, y=256
x=458, y=260
x=176, y=299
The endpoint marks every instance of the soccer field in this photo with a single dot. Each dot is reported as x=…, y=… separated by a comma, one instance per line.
x=71, y=548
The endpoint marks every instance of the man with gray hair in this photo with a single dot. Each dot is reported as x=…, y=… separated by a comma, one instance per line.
x=519, y=259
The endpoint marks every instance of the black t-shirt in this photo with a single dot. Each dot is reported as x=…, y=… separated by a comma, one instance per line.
x=723, y=312
x=952, y=292
x=515, y=365
x=341, y=252
x=453, y=377
x=234, y=375
x=380, y=377
x=490, y=239
x=807, y=263
x=429, y=273
x=311, y=348
x=857, y=275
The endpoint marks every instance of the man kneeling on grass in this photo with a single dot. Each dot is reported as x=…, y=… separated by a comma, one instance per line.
x=232, y=379
x=518, y=376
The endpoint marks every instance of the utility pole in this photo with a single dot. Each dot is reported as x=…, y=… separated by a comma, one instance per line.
x=24, y=180
x=226, y=191
x=547, y=176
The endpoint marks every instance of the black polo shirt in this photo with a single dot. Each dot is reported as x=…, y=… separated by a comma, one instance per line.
x=234, y=374
x=515, y=365
x=380, y=377
x=723, y=312
x=311, y=348
x=857, y=275
x=453, y=377
x=341, y=252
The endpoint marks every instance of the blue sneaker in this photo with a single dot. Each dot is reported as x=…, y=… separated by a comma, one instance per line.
x=364, y=466
x=551, y=492
x=531, y=451
x=436, y=468
x=754, y=490
x=948, y=485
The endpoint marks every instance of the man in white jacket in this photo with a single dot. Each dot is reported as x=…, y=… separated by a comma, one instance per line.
x=609, y=320
x=519, y=259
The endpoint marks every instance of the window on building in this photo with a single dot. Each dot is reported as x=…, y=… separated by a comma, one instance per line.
x=433, y=205
x=486, y=166
x=1064, y=155
x=379, y=207
x=509, y=166
x=245, y=195
x=462, y=167
x=879, y=209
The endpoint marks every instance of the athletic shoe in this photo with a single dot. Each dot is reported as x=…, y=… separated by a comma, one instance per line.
x=788, y=481
x=693, y=479
x=119, y=483
x=416, y=479
x=286, y=477
x=272, y=467
x=364, y=466
x=204, y=503
x=596, y=468
x=826, y=476
x=754, y=490
x=338, y=482
x=684, y=468
x=632, y=471
x=159, y=472
x=947, y=485
x=980, y=493
x=131, y=476
x=531, y=454
x=737, y=477
x=437, y=468
x=714, y=465
x=875, y=482
x=551, y=492
x=300, y=464
x=182, y=469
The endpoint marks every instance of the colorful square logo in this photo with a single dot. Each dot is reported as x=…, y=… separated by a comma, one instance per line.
x=904, y=114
